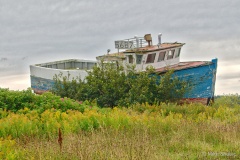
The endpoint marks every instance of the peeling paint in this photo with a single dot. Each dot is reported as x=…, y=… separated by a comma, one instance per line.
x=202, y=78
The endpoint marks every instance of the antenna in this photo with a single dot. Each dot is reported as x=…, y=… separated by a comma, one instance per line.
x=108, y=51
x=159, y=38
x=137, y=41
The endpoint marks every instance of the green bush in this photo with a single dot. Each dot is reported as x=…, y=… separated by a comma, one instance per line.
x=18, y=100
x=110, y=86
x=15, y=100
x=227, y=99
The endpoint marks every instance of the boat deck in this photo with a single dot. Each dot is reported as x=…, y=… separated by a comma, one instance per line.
x=70, y=64
x=184, y=65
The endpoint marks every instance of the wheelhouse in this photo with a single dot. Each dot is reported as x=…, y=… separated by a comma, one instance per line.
x=159, y=56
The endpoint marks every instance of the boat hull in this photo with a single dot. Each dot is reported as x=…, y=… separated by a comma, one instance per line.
x=200, y=76
x=41, y=85
x=41, y=75
x=204, y=101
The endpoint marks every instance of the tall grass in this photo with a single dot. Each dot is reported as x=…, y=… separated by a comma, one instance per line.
x=142, y=131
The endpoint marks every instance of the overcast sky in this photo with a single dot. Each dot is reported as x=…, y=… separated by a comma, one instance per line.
x=38, y=31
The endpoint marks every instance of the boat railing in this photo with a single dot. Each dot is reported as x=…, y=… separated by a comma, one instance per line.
x=142, y=41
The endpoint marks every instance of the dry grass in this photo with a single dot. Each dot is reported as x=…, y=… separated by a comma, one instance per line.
x=186, y=141
x=101, y=144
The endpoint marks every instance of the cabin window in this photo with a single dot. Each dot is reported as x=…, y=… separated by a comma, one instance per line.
x=130, y=57
x=139, y=59
x=170, y=54
x=151, y=58
x=161, y=56
x=178, y=52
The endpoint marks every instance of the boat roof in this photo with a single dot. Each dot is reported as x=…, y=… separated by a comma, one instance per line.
x=163, y=46
x=142, y=50
x=112, y=56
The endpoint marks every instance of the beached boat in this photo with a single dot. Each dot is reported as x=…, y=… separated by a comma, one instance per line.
x=139, y=51
x=42, y=74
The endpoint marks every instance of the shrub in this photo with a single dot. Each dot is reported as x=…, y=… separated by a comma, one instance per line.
x=19, y=100
x=15, y=100
x=229, y=100
x=110, y=86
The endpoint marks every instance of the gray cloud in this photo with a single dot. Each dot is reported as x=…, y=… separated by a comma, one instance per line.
x=229, y=76
x=43, y=31
x=3, y=59
x=24, y=58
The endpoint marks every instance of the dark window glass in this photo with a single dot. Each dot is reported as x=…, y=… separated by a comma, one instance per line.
x=130, y=59
x=178, y=52
x=171, y=54
x=161, y=56
x=139, y=59
x=151, y=57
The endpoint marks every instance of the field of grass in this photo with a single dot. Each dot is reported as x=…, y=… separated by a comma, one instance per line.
x=142, y=131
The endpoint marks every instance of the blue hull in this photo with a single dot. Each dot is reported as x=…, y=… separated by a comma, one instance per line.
x=201, y=77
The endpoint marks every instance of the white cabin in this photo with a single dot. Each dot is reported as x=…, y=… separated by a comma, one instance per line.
x=159, y=56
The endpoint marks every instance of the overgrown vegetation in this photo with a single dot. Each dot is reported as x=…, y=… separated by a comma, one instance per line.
x=110, y=86
x=142, y=125
x=18, y=100
x=141, y=131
